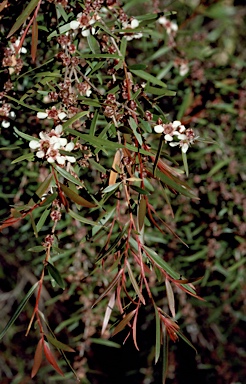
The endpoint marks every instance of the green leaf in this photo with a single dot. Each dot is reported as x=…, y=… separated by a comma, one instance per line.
x=93, y=44
x=165, y=266
x=146, y=76
x=175, y=184
x=141, y=191
x=24, y=135
x=159, y=91
x=186, y=340
x=184, y=157
x=38, y=248
x=19, y=309
x=97, y=166
x=93, y=123
x=55, y=275
x=112, y=187
x=42, y=219
x=41, y=189
x=73, y=119
x=218, y=166
x=105, y=342
x=165, y=356
x=157, y=335
x=23, y=17
x=27, y=156
x=76, y=197
x=81, y=218
x=141, y=212
x=58, y=344
x=19, y=102
x=68, y=176
x=134, y=127
x=134, y=282
x=136, y=67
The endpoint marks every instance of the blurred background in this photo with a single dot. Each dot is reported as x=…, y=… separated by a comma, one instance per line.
x=204, y=63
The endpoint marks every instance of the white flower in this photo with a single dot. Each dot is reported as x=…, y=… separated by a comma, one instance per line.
x=74, y=24
x=184, y=69
x=159, y=128
x=62, y=115
x=5, y=124
x=134, y=23
x=85, y=32
x=168, y=25
x=42, y=115
x=49, y=145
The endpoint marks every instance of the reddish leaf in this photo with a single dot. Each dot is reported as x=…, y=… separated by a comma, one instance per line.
x=114, y=173
x=34, y=39
x=37, y=357
x=51, y=359
x=124, y=322
x=76, y=198
x=170, y=297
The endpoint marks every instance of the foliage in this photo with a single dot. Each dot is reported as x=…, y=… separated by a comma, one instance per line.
x=94, y=107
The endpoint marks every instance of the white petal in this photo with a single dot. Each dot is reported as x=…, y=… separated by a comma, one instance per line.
x=62, y=115
x=34, y=144
x=70, y=146
x=173, y=144
x=182, y=136
x=134, y=23
x=5, y=124
x=162, y=20
x=62, y=142
x=74, y=24
x=71, y=159
x=51, y=160
x=85, y=32
x=42, y=115
x=23, y=50
x=58, y=129
x=176, y=124
x=174, y=26
x=40, y=154
x=185, y=147
x=12, y=114
x=168, y=137
x=44, y=136
x=159, y=128
x=88, y=92
x=56, y=145
x=182, y=128
x=60, y=160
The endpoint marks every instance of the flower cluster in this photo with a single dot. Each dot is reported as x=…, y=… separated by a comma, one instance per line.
x=132, y=25
x=185, y=136
x=170, y=27
x=50, y=144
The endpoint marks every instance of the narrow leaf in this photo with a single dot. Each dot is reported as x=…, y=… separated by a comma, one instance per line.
x=165, y=355
x=24, y=135
x=134, y=282
x=124, y=322
x=19, y=309
x=110, y=286
x=111, y=188
x=54, y=273
x=108, y=312
x=82, y=219
x=58, y=344
x=146, y=76
x=113, y=173
x=157, y=335
x=41, y=189
x=68, y=176
x=42, y=219
x=184, y=157
x=76, y=197
x=170, y=297
x=23, y=17
x=37, y=358
x=51, y=358
x=34, y=39
x=27, y=156
x=105, y=342
x=186, y=340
